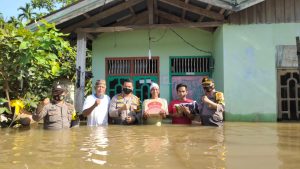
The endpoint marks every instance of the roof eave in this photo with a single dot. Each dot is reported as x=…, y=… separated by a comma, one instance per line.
x=246, y=4
x=71, y=12
x=230, y=6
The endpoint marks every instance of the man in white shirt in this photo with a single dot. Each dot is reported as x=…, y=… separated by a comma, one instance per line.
x=95, y=106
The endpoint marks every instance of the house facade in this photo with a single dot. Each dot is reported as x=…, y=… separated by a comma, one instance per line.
x=247, y=47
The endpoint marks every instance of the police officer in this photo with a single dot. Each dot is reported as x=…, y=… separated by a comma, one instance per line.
x=57, y=114
x=125, y=108
x=212, y=104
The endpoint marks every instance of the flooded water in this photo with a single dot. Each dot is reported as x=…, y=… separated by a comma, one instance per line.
x=235, y=146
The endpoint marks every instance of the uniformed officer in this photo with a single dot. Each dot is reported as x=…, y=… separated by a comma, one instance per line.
x=125, y=108
x=57, y=114
x=212, y=104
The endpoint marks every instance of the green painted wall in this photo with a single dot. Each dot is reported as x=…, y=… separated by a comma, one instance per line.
x=244, y=61
x=249, y=69
x=135, y=44
x=218, y=73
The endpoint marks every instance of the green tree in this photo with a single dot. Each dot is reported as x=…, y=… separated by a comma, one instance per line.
x=15, y=21
x=1, y=19
x=51, y=5
x=31, y=61
x=27, y=13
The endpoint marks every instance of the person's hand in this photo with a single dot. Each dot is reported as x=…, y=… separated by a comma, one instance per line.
x=130, y=119
x=146, y=115
x=162, y=113
x=97, y=102
x=124, y=107
x=178, y=111
x=205, y=99
x=46, y=101
x=185, y=110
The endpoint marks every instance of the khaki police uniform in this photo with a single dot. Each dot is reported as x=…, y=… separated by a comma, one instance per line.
x=56, y=116
x=211, y=116
x=119, y=101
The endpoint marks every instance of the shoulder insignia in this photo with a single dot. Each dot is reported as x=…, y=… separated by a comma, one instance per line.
x=119, y=96
x=219, y=97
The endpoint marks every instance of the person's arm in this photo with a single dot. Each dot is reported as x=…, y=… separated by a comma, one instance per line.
x=89, y=110
x=170, y=109
x=113, y=110
x=178, y=111
x=144, y=113
x=164, y=112
x=41, y=110
x=220, y=101
x=108, y=103
x=171, y=112
x=136, y=117
x=139, y=114
x=72, y=112
x=209, y=102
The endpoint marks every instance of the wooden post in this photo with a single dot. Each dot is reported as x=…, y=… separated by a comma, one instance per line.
x=151, y=11
x=80, y=68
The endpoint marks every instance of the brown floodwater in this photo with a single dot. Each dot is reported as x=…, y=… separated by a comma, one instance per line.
x=234, y=146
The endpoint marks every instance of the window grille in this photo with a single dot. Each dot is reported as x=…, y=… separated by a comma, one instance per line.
x=132, y=66
x=191, y=65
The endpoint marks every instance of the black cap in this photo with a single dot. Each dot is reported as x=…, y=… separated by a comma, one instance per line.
x=207, y=82
x=58, y=89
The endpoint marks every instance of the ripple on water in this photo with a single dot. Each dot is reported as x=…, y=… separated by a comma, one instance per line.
x=236, y=145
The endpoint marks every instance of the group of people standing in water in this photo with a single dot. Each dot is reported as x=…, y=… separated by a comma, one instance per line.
x=126, y=109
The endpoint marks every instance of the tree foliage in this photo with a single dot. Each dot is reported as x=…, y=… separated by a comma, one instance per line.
x=51, y=5
x=31, y=61
x=27, y=13
x=14, y=21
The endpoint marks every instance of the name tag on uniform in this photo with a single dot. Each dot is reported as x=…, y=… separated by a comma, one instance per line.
x=119, y=105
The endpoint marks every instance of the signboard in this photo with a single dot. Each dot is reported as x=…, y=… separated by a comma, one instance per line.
x=153, y=107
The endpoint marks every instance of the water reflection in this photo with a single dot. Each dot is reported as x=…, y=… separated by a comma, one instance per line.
x=114, y=147
x=13, y=148
x=236, y=145
x=95, y=145
x=251, y=145
x=155, y=147
x=125, y=147
x=289, y=145
x=201, y=147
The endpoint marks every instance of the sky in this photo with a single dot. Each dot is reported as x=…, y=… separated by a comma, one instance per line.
x=9, y=8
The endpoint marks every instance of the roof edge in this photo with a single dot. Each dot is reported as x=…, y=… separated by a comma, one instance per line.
x=71, y=11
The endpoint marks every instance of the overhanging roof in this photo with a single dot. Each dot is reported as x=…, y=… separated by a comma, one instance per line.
x=233, y=5
x=97, y=14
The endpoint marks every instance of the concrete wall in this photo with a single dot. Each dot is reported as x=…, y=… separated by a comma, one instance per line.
x=250, y=71
x=218, y=73
x=244, y=61
x=135, y=44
